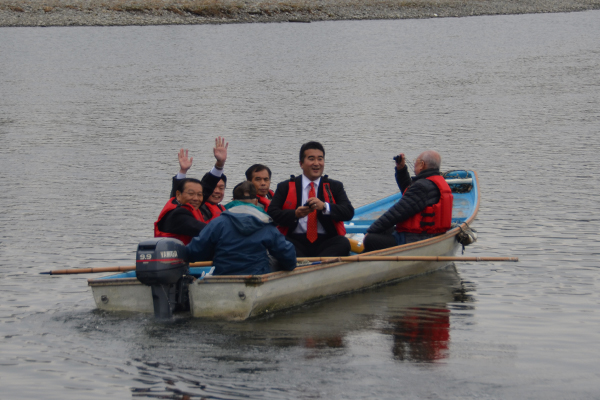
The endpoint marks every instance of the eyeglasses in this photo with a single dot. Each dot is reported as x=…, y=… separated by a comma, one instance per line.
x=410, y=163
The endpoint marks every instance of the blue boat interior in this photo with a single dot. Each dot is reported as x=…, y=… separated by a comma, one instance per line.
x=464, y=190
x=197, y=272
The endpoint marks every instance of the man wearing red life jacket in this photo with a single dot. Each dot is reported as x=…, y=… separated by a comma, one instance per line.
x=260, y=176
x=212, y=207
x=213, y=193
x=424, y=211
x=181, y=217
x=310, y=209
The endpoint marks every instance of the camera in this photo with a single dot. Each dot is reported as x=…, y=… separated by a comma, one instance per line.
x=398, y=159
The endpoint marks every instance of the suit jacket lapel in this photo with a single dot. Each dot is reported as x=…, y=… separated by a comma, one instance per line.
x=320, y=190
x=299, y=191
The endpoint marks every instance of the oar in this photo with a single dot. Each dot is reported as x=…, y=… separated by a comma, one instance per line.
x=406, y=258
x=96, y=270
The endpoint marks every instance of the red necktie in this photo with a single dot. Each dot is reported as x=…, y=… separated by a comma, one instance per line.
x=311, y=224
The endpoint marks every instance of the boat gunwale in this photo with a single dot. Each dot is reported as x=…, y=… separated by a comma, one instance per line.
x=112, y=282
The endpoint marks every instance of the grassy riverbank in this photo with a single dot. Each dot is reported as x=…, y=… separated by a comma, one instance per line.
x=161, y=12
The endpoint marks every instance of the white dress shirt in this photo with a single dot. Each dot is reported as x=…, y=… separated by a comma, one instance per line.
x=301, y=228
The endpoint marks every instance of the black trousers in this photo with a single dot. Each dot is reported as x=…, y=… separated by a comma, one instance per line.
x=378, y=241
x=324, y=246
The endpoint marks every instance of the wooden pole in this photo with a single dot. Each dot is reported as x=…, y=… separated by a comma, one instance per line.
x=96, y=270
x=407, y=258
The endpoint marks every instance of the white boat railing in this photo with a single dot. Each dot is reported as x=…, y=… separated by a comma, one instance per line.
x=459, y=181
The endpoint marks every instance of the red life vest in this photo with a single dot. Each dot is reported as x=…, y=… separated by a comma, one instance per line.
x=433, y=219
x=214, y=209
x=170, y=206
x=264, y=200
x=291, y=201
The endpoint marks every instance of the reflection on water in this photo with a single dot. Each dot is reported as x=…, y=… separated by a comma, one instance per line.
x=184, y=357
x=421, y=335
x=191, y=357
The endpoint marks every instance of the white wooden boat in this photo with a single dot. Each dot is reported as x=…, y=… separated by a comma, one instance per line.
x=242, y=297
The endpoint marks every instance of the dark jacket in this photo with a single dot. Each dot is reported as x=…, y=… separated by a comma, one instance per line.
x=181, y=221
x=342, y=210
x=420, y=193
x=237, y=241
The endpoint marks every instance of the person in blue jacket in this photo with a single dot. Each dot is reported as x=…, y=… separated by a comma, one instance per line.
x=238, y=240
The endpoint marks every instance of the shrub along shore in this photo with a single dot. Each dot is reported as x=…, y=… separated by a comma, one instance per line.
x=189, y=12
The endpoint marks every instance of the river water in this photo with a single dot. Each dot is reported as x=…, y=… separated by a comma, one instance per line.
x=91, y=120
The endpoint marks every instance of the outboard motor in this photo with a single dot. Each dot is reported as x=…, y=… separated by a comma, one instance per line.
x=160, y=263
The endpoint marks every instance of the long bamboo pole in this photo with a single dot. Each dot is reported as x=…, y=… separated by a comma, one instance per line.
x=95, y=270
x=407, y=258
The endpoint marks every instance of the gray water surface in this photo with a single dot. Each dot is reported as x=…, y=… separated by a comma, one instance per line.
x=91, y=120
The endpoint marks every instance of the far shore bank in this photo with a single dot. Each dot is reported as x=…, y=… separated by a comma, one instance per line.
x=14, y=13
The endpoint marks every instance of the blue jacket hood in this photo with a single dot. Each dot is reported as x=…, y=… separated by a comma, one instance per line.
x=247, y=219
x=238, y=240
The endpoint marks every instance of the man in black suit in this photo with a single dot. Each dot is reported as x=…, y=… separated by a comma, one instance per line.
x=310, y=209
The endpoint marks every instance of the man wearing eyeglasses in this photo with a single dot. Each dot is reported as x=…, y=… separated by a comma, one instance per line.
x=211, y=207
x=181, y=217
x=424, y=211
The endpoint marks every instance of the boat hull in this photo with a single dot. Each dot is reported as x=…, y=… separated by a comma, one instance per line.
x=241, y=298
x=122, y=294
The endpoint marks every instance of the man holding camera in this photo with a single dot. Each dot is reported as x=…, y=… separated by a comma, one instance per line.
x=424, y=211
x=310, y=209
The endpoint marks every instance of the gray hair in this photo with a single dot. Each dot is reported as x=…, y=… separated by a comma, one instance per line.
x=432, y=159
